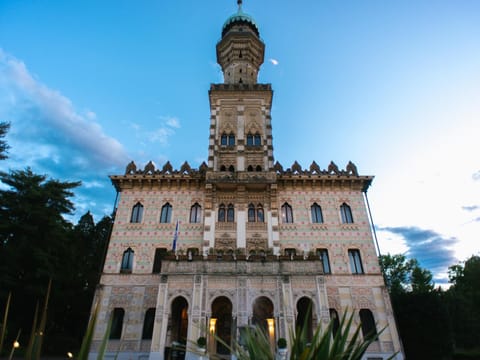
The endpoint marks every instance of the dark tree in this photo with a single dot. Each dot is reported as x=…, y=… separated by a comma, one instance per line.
x=35, y=242
x=397, y=272
x=4, y=126
x=464, y=303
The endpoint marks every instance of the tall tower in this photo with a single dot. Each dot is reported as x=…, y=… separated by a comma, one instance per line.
x=241, y=131
x=240, y=241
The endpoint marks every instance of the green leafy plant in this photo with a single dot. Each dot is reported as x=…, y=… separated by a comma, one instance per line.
x=282, y=343
x=345, y=343
x=202, y=342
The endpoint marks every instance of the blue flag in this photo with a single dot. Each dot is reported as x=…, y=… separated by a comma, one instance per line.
x=175, y=236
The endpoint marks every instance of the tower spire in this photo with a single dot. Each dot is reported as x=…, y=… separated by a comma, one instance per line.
x=239, y=2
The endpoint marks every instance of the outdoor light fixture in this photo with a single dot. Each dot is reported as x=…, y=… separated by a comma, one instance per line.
x=213, y=323
x=271, y=327
x=70, y=355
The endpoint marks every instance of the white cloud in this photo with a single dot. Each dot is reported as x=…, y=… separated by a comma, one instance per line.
x=43, y=117
x=274, y=61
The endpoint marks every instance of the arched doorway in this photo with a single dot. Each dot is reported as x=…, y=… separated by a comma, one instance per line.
x=222, y=316
x=263, y=317
x=304, y=317
x=179, y=319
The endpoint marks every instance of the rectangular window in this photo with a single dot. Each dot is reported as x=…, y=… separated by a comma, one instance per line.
x=157, y=260
x=323, y=255
x=117, y=323
x=355, y=261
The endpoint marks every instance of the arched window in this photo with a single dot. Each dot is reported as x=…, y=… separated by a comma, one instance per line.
x=336, y=322
x=355, y=261
x=287, y=213
x=249, y=139
x=230, y=213
x=223, y=168
x=166, y=215
x=346, y=214
x=323, y=255
x=148, y=323
x=221, y=213
x=231, y=168
x=224, y=139
x=127, y=261
x=251, y=213
x=316, y=211
x=257, y=140
x=195, y=213
x=368, y=323
x=117, y=323
x=260, y=214
x=231, y=139
x=250, y=168
x=137, y=213
x=258, y=168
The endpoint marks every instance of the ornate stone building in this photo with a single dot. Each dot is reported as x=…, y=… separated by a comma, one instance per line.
x=255, y=243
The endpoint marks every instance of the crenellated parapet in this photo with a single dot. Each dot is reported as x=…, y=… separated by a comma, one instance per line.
x=314, y=169
x=167, y=169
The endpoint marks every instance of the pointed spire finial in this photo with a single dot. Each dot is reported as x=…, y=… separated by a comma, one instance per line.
x=239, y=2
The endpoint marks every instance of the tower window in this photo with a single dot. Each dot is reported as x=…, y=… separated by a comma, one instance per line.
x=258, y=168
x=223, y=168
x=230, y=213
x=231, y=168
x=251, y=213
x=195, y=213
x=231, y=139
x=166, y=214
x=323, y=255
x=346, y=214
x=250, y=168
x=287, y=213
x=224, y=139
x=137, y=213
x=355, y=261
x=260, y=214
x=249, y=139
x=127, y=261
x=316, y=211
x=221, y=213
x=257, y=139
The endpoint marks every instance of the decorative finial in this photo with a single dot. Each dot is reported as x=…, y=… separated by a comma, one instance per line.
x=239, y=2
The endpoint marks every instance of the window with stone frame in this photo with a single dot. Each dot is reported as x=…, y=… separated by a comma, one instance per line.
x=224, y=139
x=221, y=213
x=231, y=139
x=323, y=255
x=317, y=215
x=160, y=254
x=117, y=324
x=137, y=213
x=166, y=214
x=368, y=323
x=346, y=214
x=230, y=213
x=355, y=261
x=287, y=213
x=127, y=261
x=195, y=213
x=148, y=322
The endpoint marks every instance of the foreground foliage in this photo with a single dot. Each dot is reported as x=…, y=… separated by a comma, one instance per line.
x=329, y=343
x=37, y=244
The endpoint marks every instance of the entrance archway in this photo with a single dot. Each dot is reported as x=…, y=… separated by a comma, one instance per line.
x=262, y=310
x=222, y=312
x=304, y=316
x=179, y=315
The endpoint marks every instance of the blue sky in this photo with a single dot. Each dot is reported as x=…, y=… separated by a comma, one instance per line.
x=393, y=86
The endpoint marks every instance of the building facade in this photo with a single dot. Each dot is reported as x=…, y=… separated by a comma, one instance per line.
x=241, y=240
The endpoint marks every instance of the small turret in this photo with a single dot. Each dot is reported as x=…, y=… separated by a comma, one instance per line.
x=240, y=52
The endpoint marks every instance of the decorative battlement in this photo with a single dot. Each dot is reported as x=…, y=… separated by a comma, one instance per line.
x=241, y=87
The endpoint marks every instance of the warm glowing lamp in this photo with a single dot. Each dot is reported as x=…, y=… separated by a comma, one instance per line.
x=271, y=327
x=213, y=323
x=16, y=344
x=70, y=355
